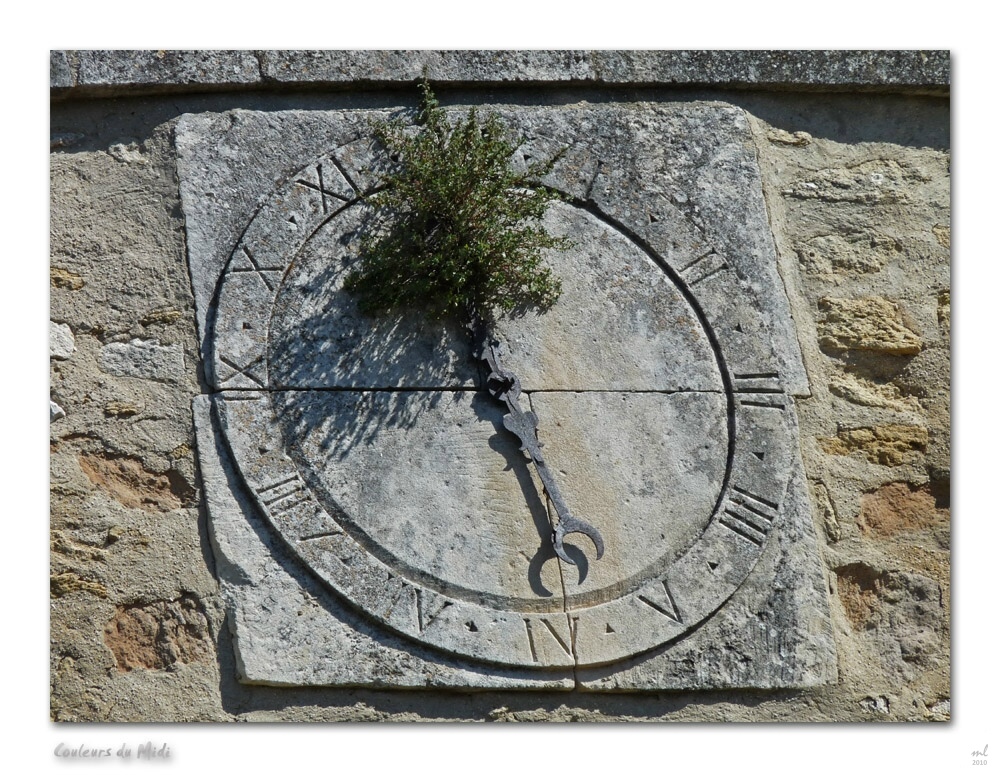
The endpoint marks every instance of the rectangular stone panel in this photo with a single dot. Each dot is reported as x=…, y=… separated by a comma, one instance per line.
x=377, y=522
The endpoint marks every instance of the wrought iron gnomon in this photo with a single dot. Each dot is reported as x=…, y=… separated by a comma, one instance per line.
x=504, y=385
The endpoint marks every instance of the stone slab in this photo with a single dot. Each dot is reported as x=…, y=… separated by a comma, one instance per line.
x=136, y=71
x=146, y=67
x=663, y=380
x=720, y=68
x=288, y=629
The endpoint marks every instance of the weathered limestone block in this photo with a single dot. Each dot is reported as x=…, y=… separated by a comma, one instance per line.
x=902, y=610
x=146, y=359
x=867, y=393
x=872, y=324
x=156, y=635
x=880, y=181
x=888, y=445
x=900, y=507
x=857, y=253
x=106, y=68
x=130, y=483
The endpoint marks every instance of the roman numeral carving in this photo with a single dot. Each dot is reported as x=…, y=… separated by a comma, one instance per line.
x=244, y=396
x=246, y=370
x=426, y=605
x=702, y=268
x=543, y=628
x=325, y=534
x=402, y=588
x=283, y=495
x=748, y=515
x=660, y=599
x=430, y=607
x=254, y=267
x=323, y=177
x=762, y=389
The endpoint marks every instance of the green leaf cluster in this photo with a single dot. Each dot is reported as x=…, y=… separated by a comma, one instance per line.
x=456, y=231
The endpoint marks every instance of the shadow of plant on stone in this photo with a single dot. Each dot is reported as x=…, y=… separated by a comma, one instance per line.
x=320, y=341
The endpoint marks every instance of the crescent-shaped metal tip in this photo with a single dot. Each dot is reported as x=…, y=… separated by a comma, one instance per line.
x=573, y=525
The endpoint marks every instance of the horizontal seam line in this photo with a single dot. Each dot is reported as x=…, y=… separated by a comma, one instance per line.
x=453, y=390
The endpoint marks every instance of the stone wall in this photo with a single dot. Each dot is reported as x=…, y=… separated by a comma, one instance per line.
x=855, y=158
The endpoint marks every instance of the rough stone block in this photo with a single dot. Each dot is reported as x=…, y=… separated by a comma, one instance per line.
x=871, y=324
x=60, y=73
x=888, y=445
x=142, y=358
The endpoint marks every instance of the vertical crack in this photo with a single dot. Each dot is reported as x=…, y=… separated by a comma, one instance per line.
x=562, y=579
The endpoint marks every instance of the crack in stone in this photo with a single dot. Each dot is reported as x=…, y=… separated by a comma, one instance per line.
x=440, y=389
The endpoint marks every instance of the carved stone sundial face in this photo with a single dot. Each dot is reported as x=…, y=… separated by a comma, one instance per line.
x=376, y=458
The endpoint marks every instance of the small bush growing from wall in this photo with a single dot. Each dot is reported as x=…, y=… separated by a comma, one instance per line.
x=457, y=231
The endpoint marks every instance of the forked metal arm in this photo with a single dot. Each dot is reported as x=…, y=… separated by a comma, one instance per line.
x=505, y=386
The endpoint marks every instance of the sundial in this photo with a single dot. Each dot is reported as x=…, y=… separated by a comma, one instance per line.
x=375, y=475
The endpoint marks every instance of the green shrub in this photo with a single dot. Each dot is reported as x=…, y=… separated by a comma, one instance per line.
x=456, y=230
